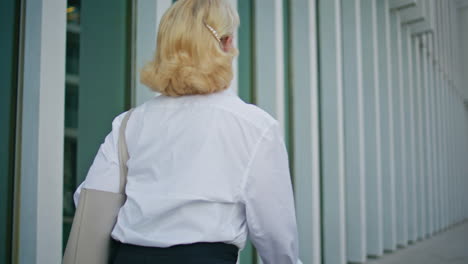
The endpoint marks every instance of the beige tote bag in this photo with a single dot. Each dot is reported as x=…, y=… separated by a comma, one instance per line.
x=89, y=240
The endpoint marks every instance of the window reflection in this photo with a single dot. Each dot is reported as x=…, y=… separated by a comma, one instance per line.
x=72, y=80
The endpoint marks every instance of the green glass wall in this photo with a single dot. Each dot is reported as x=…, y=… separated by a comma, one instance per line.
x=104, y=74
x=97, y=84
x=71, y=113
x=246, y=80
x=9, y=44
x=287, y=80
x=246, y=51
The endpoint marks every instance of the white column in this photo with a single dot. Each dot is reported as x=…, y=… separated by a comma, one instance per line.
x=399, y=128
x=428, y=137
x=372, y=146
x=147, y=17
x=457, y=158
x=406, y=147
x=465, y=162
x=353, y=100
x=269, y=67
x=461, y=150
x=421, y=220
x=448, y=114
x=441, y=173
x=464, y=185
x=306, y=128
x=442, y=145
x=436, y=178
x=438, y=139
x=437, y=96
x=387, y=131
x=459, y=172
x=456, y=102
x=437, y=78
x=446, y=150
x=331, y=96
x=432, y=160
x=440, y=84
x=411, y=128
x=42, y=132
x=452, y=156
x=442, y=87
x=422, y=139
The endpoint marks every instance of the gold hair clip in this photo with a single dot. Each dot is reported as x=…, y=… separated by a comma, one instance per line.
x=213, y=31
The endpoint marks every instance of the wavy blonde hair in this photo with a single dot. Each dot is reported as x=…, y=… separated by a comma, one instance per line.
x=189, y=59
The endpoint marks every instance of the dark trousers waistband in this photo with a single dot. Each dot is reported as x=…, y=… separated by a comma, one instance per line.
x=197, y=253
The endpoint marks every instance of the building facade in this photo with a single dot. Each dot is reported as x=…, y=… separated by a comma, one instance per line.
x=372, y=96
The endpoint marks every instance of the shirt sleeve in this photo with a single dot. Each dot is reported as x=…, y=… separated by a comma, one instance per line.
x=269, y=201
x=104, y=173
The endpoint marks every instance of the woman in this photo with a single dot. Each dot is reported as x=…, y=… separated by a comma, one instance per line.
x=205, y=168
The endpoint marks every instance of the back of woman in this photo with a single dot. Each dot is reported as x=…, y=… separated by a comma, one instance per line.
x=205, y=169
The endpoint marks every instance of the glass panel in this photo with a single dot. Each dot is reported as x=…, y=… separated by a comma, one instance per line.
x=71, y=113
x=246, y=82
x=97, y=85
x=9, y=16
x=287, y=83
x=246, y=58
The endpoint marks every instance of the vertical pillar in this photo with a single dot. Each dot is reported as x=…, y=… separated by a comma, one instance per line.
x=386, y=122
x=372, y=146
x=406, y=147
x=437, y=96
x=421, y=220
x=443, y=88
x=436, y=134
x=450, y=156
x=428, y=143
x=306, y=128
x=399, y=128
x=423, y=139
x=42, y=131
x=331, y=108
x=354, y=156
x=270, y=68
x=411, y=146
x=446, y=149
x=432, y=160
x=449, y=114
x=147, y=16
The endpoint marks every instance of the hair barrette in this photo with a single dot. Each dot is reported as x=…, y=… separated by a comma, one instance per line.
x=213, y=32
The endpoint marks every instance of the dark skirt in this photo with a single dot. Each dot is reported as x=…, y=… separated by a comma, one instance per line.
x=198, y=253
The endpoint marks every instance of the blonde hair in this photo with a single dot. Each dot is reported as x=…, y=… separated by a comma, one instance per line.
x=189, y=58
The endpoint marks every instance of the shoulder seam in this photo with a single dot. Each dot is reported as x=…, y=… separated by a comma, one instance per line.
x=251, y=158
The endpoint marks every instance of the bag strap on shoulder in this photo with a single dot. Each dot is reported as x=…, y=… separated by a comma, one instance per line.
x=123, y=152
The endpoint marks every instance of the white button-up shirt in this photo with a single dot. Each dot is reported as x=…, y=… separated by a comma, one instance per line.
x=202, y=168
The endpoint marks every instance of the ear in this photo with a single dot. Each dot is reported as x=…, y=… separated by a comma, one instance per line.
x=226, y=43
